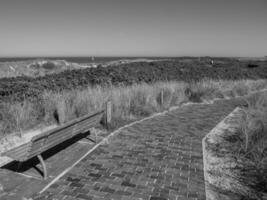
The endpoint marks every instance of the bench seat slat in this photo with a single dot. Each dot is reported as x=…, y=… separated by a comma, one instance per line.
x=19, y=153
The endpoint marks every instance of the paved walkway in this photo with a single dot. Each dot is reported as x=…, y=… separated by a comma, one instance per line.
x=158, y=159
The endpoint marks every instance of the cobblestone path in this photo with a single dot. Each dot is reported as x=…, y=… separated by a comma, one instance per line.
x=158, y=159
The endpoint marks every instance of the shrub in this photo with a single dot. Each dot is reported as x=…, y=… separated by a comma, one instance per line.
x=252, y=65
x=203, y=90
x=49, y=66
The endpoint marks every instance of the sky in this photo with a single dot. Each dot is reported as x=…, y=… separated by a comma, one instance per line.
x=133, y=28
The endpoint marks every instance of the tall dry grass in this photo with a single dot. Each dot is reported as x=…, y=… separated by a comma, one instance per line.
x=254, y=128
x=210, y=89
x=129, y=102
x=253, y=141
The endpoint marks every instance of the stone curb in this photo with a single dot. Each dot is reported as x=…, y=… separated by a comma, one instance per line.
x=221, y=171
x=208, y=159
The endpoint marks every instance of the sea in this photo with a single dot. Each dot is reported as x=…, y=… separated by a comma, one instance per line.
x=77, y=59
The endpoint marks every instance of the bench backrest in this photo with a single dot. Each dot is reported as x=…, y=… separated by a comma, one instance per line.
x=54, y=137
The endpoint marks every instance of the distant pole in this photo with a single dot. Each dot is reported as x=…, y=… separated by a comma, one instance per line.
x=161, y=97
x=108, y=116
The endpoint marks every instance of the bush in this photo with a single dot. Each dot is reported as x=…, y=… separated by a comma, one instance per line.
x=49, y=66
x=252, y=65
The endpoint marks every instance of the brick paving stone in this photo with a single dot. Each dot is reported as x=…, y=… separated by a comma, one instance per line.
x=84, y=196
x=158, y=159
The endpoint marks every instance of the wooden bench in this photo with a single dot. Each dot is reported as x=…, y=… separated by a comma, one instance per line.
x=47, y=140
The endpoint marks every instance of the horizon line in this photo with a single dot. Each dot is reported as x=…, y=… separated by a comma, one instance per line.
x=129, y=56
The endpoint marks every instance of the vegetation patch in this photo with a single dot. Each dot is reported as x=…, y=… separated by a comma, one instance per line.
x=129, y=102
x=30, y=88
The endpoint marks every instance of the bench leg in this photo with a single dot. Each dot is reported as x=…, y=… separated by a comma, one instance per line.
x=19, y=166
x=43, y=166
x=90, y=138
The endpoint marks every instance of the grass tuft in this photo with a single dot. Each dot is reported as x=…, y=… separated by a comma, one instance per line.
x=253, y=146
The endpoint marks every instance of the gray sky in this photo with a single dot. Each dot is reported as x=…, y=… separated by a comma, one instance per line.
x=133, y=27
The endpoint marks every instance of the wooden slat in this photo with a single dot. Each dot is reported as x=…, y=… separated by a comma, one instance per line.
x=69, y=129
x=37, y=148
x=19, y=153
x=53, y=141
x=59, y=135
x=68, y=124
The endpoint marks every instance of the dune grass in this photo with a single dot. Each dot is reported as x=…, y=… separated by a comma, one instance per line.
x=129, y=102
x=253, y=141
